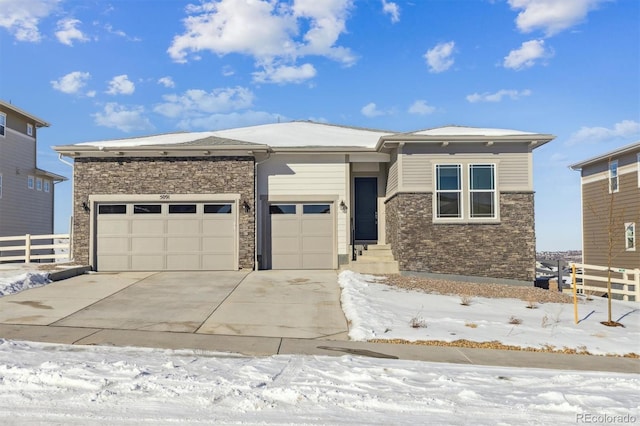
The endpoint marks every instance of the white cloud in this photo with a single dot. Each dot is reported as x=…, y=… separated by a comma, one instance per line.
x=497, y=96
x=285, y=74
x=228, y=71
x=623, y=129
x=230, y=120
x=122, y=118
x=21, y=18
x=551, y=16
x=167, y=82
x=439, y=57
x=121, y=85
x=196, y=103
x=72, y=82
x=68, y=31
x=421, y=107
x=371, y=110
x=527, y=55
x=392, y=9
x=280, y=32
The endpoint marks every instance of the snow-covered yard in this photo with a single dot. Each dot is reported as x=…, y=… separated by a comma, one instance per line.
x=61, y=384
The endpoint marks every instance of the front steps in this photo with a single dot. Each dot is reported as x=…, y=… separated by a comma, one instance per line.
x=373, y=259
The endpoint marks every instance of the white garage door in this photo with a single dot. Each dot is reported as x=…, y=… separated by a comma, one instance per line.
x=302, y=236
x=166, y=236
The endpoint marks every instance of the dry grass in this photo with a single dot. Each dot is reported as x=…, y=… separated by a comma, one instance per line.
x=515, y=321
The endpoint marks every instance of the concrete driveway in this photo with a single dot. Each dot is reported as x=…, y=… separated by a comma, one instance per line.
x=298, y=304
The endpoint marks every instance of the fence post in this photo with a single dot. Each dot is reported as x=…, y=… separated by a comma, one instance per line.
x=27, y=248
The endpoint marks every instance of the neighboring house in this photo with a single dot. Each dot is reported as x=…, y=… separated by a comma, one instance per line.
x=26, y=192
x=450, y=200
x=611, y=207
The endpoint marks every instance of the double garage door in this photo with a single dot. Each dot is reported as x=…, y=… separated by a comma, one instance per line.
x=302, y=235
x=149, y=236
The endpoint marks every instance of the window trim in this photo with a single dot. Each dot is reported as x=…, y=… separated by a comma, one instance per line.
x=465, y=202
x=31, y=182
x=614, y=164
x=491, y=191
x=29, y=129
x=46, y=185
x=38, y=184
x=632, y=246
x=460, y=192
x=0, y=185
x=3, y=124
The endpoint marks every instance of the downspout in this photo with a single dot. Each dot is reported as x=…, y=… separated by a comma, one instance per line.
x=71, y=219
x=255, y=208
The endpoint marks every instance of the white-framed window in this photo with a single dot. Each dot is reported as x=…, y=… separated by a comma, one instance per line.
x=465, y=192
x=39, y=184
x=47, y=186
x=448, y=191
x=482, y=191
x=630, y=236
x=0, y=185
x=29, y=129
x=30, y=182
x=3, y=124
x=613, y=176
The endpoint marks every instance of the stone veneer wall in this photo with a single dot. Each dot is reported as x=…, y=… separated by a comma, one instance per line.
x=505, y=250
x=183, y=175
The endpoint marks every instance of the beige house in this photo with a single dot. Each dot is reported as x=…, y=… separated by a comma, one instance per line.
x=302, y=195
x=26, y=191
x=611, y=207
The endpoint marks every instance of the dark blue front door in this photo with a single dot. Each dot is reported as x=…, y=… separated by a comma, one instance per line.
x=366, y=209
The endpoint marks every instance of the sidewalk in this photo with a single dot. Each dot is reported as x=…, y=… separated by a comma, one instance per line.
x=266, y=346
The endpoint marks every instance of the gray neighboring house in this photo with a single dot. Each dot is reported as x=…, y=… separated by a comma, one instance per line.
x=450, y=200
x=26, y=191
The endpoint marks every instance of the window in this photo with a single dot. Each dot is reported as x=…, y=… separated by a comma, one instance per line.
x=30, y=182
x=217, y=208
x=448, y=191
x=316, y=209
x=482, y=190
x=282, y=209
x=47, y=186
x=147, y=209
x=182, y=208
x=29, y=129
x=630, y=236
x=39, y=184
x=613, y=176
x=112, y=209
x=3, y=123
x=0, y=186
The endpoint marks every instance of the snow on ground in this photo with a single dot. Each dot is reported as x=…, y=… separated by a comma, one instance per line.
x=378, y=311
x=16, y=277
x=63, y=384
x=59, y=384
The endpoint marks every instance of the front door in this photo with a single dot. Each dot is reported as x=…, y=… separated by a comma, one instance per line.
x=366, y=209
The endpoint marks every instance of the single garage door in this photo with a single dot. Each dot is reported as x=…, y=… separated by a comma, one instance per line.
x=166, y=236
x=302, y=236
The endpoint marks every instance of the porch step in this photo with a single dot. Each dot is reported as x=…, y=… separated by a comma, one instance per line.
x=377, y=259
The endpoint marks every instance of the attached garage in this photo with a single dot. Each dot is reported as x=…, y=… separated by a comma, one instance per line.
x=302, y=235
x=166, y=236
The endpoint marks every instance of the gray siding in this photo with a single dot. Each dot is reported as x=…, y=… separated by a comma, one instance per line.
x=513, y=164
x=22, y=210
x=392, y=178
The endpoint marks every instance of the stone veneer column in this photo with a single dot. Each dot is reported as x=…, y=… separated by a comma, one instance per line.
x=503, y=250
x=180, y=175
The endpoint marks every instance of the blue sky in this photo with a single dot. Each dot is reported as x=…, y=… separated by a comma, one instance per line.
x=97, y=70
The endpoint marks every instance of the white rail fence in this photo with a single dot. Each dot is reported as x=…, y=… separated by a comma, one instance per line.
x=625, y=281
x=28, y=248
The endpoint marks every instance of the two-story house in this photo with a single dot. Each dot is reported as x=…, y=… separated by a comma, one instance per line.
x=26, y=191
x=611, y=207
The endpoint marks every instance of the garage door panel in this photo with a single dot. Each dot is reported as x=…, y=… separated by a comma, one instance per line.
x=141, y=245
x=183, y=262
x=286, y=261
x=316, y=227
x=313, y=244
x=316, y=261
x=148, y=237
x=285, y=245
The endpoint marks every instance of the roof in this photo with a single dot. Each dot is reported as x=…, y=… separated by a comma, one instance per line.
x=300, y=136
x=50, y=175
x=39, y=122
x=603, y=157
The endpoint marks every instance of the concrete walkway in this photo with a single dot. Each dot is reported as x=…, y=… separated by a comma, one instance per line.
x=252, y=313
